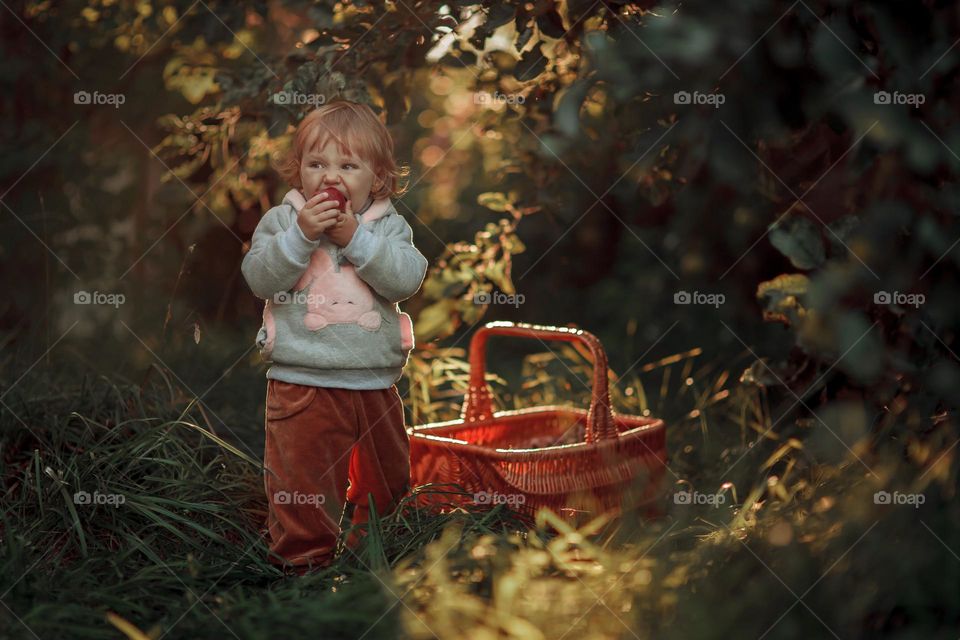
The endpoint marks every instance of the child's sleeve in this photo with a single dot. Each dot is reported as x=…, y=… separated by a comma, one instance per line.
x=388, y=262
x=279, y=254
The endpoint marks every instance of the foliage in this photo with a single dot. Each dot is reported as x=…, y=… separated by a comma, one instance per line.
x=184, y=553
x=600, y=159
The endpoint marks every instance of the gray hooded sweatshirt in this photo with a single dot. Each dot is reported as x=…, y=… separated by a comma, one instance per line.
x=331, y=317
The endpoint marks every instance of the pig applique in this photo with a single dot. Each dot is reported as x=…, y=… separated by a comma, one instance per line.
x=335, y=294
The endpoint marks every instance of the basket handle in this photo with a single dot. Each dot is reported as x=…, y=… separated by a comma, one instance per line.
x=478, y=400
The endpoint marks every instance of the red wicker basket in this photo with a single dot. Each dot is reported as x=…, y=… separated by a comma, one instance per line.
x=609, y=462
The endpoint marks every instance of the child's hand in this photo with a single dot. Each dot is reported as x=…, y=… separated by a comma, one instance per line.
x=317, y=215
x=341, y=232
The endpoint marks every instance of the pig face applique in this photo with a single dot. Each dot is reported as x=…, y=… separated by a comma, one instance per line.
x=335, y=294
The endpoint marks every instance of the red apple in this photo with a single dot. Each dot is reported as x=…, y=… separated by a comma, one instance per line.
x=332, y=193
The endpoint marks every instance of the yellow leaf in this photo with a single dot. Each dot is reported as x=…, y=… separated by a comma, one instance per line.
x=194, y=83
x=434, y=321
x=782, y=297
x=243, y=41
x=493, y=200
x=192, y=72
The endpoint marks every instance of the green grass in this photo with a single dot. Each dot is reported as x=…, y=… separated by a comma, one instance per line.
x=184, y=555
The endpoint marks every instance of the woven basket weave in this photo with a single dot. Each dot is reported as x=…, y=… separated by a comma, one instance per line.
x=574, y=461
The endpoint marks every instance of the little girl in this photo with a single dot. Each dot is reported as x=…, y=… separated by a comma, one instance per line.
x=333, y=333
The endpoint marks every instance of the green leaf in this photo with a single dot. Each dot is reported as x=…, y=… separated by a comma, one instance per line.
x=860, y=347
x=496, y=273
x=500, y=13
x=551, y=24
x=567, y=116
x=479, y=38
x=799, y=240
x=842, y=229
x=523, y=37
x=531, y=64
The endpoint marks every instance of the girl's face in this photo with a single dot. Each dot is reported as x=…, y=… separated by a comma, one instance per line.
x=326, y=167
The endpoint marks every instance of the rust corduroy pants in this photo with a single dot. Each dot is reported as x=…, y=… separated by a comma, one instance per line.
x=316, y=439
